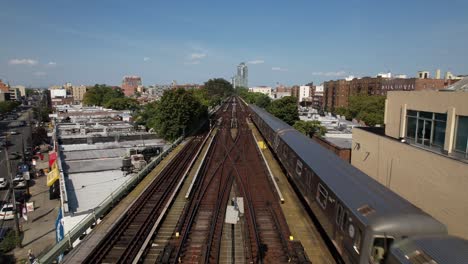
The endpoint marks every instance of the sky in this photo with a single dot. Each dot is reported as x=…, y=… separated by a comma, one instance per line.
x=288, y=42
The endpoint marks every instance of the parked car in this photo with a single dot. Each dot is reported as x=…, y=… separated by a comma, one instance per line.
x=19, y=184
x=18, y=177
x=3, y=183
x=14, y=132
x=6, y=213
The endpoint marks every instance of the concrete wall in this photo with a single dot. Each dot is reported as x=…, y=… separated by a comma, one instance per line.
x=431, y=181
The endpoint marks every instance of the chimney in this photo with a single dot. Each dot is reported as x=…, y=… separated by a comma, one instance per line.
x=437, y=75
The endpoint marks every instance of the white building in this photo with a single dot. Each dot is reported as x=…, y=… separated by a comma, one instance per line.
x=261, y=89
x=58, y=93
x=319, y=89
x=304, y=93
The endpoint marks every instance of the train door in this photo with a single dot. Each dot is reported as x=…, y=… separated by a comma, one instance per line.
x=340, y=217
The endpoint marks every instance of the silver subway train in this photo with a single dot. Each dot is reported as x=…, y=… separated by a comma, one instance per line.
x=366, y=222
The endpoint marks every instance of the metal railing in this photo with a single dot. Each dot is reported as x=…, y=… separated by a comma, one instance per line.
x=103, y=208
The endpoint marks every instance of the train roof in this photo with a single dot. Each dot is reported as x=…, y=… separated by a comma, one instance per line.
x=371, y=202
x=441, y=249
x=272, y=121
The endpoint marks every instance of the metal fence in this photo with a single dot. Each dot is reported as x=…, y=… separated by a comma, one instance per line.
x=103, y=208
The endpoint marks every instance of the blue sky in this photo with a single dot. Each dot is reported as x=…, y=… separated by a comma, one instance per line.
x=289, y=41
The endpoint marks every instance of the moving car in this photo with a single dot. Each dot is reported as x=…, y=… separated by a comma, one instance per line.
x=6, y=213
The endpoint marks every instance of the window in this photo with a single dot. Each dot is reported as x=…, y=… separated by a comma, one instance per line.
x=461, y=136
x=380, y=249
x=298, y=167
x=322, y=196
x=339, y=215
x=426, y=128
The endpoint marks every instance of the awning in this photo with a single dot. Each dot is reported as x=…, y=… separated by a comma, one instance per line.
x=52, y=158
x=52, y=176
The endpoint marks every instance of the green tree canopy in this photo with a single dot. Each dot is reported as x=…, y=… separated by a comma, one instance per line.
x=343, y=111
x=177, y=112
x=202, y=96
x=122, y=104
x=369, y=109
x=262, y=100
x=310, y=128
x=7, y=106
x=100, y=94
x=217, y=89
x=285, y=109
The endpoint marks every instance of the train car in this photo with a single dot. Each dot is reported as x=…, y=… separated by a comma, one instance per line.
x=359, y=215
x=429, y=249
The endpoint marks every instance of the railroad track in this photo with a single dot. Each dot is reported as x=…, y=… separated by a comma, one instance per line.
x=202, y=223
x=267, y=227
x=234, y=158
x=123, y=242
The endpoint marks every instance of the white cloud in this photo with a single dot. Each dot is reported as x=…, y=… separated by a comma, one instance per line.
x=279, y=69
x=146, y=58
x=256, y=62
x=330, y=74
x=197, y=56
x=192, y=62
x=52, y=63
x=39, y=74
x=22, y=62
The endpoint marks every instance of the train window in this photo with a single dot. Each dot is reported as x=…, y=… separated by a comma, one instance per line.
x=339, y=215
x=380, y=249
x=298, y=167
x=345, y=221
x=322, y=196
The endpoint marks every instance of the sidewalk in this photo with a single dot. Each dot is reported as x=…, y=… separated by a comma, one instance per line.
x=39, y=229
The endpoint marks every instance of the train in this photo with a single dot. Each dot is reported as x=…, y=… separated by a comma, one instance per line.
x=366, y=222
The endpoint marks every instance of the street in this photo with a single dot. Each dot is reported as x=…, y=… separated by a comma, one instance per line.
x=18, y=141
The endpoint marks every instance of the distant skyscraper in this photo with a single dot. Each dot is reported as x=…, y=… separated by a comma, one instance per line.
x=242, y=77
x=130, y=84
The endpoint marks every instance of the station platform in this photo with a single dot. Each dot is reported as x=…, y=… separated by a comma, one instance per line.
x=297, y=217
x=90, y=241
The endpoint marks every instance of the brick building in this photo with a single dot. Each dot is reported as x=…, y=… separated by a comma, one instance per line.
x=4, y=92
x=338, y=92
x=295, y=91
x=130, y=84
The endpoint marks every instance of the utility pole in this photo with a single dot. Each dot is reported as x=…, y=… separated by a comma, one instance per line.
x=12, y=191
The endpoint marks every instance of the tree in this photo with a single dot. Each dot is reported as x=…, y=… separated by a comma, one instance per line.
x=262, y=100
x=100, y=94
x=39, y=136
x=343, y=111
x=8, y=106
x=202, y=96
x=122, y=104
x=310, y=128
x=369, y=109
x=177, y=112
x=217, y=89
x=285, y=109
